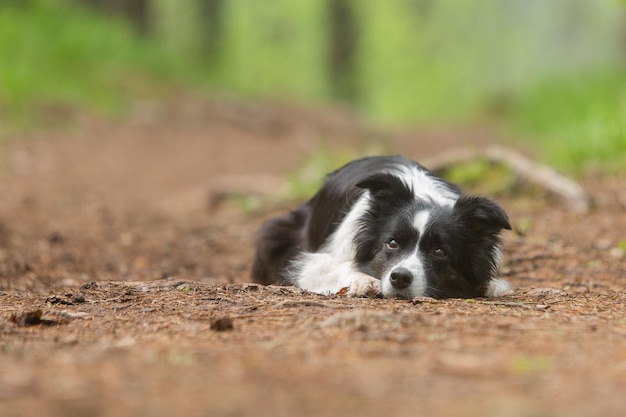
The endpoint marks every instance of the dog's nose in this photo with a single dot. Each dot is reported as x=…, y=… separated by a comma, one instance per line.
x=401, y=278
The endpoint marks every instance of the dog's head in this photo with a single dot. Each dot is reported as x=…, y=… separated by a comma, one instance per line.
x=420, y=247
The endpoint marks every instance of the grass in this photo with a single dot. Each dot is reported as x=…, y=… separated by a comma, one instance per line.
x=57, y=56
x=532, y=365
x=578, y=123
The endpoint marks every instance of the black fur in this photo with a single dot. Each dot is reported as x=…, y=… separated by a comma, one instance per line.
x=458, y=248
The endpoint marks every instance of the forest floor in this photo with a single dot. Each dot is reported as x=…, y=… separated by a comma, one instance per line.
x=124, y=286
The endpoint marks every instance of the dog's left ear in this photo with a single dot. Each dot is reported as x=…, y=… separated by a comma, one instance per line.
x=482, y=214
x=387, y=187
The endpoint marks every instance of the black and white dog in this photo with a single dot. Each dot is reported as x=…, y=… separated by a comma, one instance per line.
x=386, y=226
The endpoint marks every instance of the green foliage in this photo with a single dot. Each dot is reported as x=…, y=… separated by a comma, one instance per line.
x=309, y=177
x=413, y=66
x=177, y=27
x=247, y=204
x=274, y=48
x=482, y=177
x=577, y=122
x=56, y=55
x=418, y=62
x=524, y=225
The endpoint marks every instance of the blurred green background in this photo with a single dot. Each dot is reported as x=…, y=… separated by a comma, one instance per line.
x=551, y=72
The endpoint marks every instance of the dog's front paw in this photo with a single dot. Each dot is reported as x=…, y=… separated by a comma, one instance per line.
x=498, y=287
x=362, y=285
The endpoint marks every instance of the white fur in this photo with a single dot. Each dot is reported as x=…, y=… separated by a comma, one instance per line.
x=421, y=220
x=425, y=186
x=331, y=269
x=322, y=273
x=340, y=243
x=497, y=287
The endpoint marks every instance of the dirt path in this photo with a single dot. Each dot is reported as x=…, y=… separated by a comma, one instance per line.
x=136, y=201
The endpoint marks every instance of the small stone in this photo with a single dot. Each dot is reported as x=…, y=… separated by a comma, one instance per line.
x=78, y=298
x=222, y=324
x=57, y=299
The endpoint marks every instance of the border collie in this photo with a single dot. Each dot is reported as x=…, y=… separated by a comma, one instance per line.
x=386, y=226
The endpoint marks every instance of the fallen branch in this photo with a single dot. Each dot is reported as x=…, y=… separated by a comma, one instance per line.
x=266, y=186
x=526, y=169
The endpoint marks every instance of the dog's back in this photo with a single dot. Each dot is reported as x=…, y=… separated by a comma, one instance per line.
x=280, y=240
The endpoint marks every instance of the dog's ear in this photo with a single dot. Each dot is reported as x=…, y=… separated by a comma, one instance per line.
x=388, y=187
x=482, y=214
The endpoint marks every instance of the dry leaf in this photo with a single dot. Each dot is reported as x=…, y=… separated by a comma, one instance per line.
x=343, y=291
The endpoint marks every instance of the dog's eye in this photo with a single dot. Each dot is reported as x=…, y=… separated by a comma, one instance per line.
x=393, y=244
x=440, y=253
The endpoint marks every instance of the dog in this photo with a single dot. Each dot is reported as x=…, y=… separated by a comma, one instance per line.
x=386, y=226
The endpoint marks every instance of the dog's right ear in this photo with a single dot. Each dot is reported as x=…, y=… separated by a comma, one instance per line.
x=387, y=187
x=482, y=214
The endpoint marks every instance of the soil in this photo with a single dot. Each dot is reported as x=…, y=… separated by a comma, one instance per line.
x=125, y=249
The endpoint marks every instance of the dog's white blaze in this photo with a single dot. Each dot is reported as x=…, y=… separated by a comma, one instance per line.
x=413, y=263
x=426, y=186
x=421, y=220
